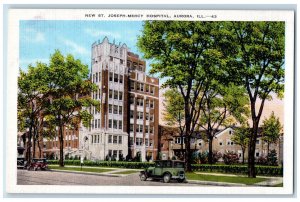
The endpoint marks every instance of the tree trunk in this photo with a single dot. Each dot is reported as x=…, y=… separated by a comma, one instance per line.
x=210, y=153
x=268, y=148
x=34, y=141
x=61, y=146
x=251, y=152
x=181, y=142
x=188, y=154
x=243, y=155
x=28, y=149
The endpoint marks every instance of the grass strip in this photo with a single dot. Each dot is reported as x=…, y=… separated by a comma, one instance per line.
x=126, y=172
x=229, y=179
x=93, y=170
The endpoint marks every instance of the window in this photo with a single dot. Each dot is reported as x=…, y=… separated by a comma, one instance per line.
x=110, y=108
x=140, y=115
x=142, y=87
x=146, y=142
x=120, y=110
x=139, y=128
x=116, y=77
x=96, y=95
x=110, y=93
x=131, y=127
x=96, y=123
x=147, y=88
x=121, y=78
x=109, y=153
x=140, y=102
x=96, y=77
x=257, y=154
x=109, y=138
x=121, y=61
x=152, y=104
x=151, y=90
x=115, y=124
x=115, y=109
x=220, y=143
x=131, y=99
x=257, y=141
x=146, y=129
x=147, y=103
x=177, y=140
x=131, y=114
x=115, y=139
x=151, y=117
x=120, y=125
x=147, y=116
x=138, y=87
x=139, y=141
x=109, y=123
x=120, y=95
x=93, y=78
x=92, y=139
x=132, y=85
x=120, y=139
x=111, y=58
x=115, y=153
x=115, y=95
x=151, y=129
x=110, y=76
x=131, y=140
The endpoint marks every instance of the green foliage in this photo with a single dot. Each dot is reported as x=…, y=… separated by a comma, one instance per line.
x=271, y=129
x=272, y=158
x=114, y=164
x=239, y=169
x=203, y=157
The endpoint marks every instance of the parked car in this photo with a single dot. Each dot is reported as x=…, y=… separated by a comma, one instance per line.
x=38, y=164
x=21, y=163
x=166, y=170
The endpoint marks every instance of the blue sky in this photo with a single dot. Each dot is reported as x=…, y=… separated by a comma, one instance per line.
x=39, y=38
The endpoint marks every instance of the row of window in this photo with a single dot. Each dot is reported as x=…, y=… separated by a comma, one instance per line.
x=96, y=77
x=140, y=102
x=95, y=124
x=116, y=124
x=115, y=139
x=140, y=142
x=116, y=95
x=142, y=87
x=117, y=78
x=140, y=115
x=139, y=128
x=96, y=94
x=115, y=109
x=114, y=153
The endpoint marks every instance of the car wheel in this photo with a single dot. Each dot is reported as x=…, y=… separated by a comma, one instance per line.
x=143, y=177
x=35, y=168
x=167, y=178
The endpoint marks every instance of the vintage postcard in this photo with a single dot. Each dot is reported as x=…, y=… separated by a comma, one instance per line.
x=150, y=101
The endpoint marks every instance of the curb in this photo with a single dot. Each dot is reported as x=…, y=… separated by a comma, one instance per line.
x=88, y=173
x=216, y=183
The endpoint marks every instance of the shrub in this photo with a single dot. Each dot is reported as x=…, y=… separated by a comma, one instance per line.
x=203, y=157
x=262, y=160
x=216, y=156
x=239, y=169
x=230, y=157
x=272, y=158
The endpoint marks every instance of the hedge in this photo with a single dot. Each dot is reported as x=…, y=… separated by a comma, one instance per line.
x=115, y=164
x=234, y=169
x=239, y=169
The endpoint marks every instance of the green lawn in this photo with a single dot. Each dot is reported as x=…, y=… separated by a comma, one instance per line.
x=94, y=170
x=127, y=172
x=229, y=179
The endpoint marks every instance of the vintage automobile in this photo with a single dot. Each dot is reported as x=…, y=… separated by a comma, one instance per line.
x=21, y=163
x=166, y=170
x=38, y=164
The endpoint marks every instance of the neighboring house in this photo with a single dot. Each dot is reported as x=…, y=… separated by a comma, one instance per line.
x=171, y=144
x=128, y=119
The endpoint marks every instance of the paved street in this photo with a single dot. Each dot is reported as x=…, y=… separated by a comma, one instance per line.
x=25, y=177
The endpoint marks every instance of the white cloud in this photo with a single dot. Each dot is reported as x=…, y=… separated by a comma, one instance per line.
x=34, y=36
x=98, y=33
x=76, y=48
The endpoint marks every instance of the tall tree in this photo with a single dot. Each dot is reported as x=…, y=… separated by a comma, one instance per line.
x=69, y=100
x=259, y=67
x=271, y=130
x=182, y=51
x=32, y=93
x=241, y=138
x=221, y=102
